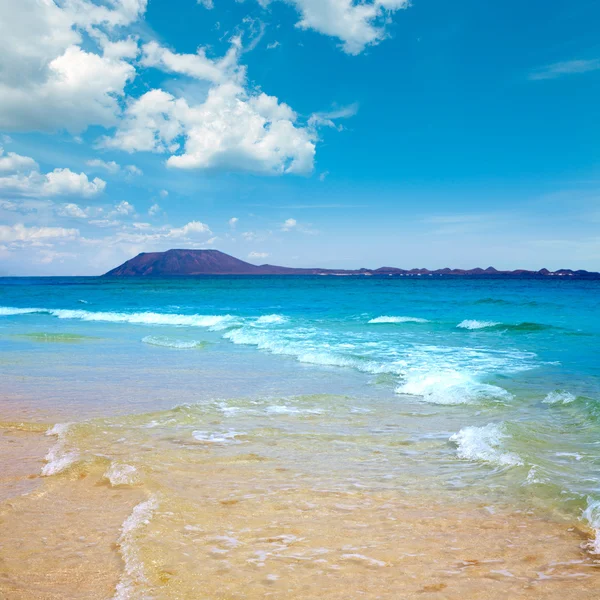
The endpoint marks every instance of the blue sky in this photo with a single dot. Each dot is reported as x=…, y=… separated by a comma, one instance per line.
x=299, y=132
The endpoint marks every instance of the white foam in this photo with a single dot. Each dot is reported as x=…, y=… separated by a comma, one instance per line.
x=485, y=444
x=592, y=515
x=451, y=387
x=134, y=575
x=271, y=319
x=166, y=342
x=559, y=397
x=386, y=319
x=473, y=324
x=213, y=322
x=7, y=311
x=58, y=458
x=122, y=474
x=227, y=437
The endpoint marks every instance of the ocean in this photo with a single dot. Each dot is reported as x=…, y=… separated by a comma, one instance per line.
x=300, y=437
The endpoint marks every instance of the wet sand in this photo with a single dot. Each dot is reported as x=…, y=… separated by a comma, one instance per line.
x=250, y=528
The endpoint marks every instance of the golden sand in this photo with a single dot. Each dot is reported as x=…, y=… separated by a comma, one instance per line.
x=245, y=527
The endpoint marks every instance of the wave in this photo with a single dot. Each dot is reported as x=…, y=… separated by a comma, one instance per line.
x=58, y=458
x=473, y=324
x=271, y=319
x=525, y=327
x=134, y=575
x=213, y=322
x=559, y=397
x=451, y=387
x=386, y=319
x=8, y=311
x=156, y=340
x=485, y=444
x=592, y=515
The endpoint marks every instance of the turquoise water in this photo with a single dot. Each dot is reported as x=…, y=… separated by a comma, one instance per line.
x=488, y=386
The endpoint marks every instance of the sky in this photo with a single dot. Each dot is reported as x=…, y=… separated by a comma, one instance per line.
x=329, y=133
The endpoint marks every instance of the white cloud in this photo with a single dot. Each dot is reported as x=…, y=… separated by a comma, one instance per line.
x=233, y=222
x=133, y=170
x=21, y=233
x=289, y=224
x=45, y=81
x=569, y=67
x=65, y=182
x=154, y=210
x=123, y=209
x=206, y=3
x=12, y=162
x=111, y=167
x=253, y=255
x=60, y=182
x=231, y=128
x=190, y=229
x=163, y=193
x=356, y=24
x=273, y=45
x=73, y=210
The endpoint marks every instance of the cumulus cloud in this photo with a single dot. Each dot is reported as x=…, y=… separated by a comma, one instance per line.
x=232, y=128
x=21, y=233
x=233, y=222
x=45, y=81
x=73, y=211
x=256, y=255
x=190, y=229
x=11, y=162
x=356, y=24
x=60, y=182
x=124, y=208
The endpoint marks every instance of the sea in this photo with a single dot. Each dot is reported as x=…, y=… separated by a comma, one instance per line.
x=299, y=437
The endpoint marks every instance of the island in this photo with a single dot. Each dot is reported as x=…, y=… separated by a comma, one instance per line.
x=189, y=263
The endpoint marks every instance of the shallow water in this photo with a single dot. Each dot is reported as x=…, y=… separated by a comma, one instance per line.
x=299, y=437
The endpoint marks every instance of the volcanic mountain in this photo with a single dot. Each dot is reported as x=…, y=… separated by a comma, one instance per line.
x=185, y=263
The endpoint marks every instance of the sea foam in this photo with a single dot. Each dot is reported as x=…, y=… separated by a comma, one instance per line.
x=58, y=458
x=473, y=324
x=485, y=444
x=134, y=575
x=451, y=387
x=559, y=397
x=386, y=319
x=213, y=322
x=166, y=342
x=592, y=515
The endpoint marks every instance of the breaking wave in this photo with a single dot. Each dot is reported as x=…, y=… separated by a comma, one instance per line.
x=473, y=324
x=451, y=387
x=213, y=322
x=386, y=319
x=485, y=444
